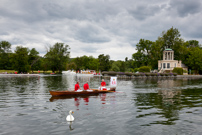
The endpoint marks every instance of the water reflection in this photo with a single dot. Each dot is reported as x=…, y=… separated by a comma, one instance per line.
x=85, y=98
x=70, y=125
x=166, y=101
x=55, y=82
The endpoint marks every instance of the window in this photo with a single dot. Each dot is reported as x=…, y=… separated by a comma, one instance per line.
x=168, y=65
x=175, y=64
x=164, y=65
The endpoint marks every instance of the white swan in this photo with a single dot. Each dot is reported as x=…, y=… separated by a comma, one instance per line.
x=70, y=116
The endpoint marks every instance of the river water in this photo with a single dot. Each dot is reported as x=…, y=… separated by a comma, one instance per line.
x=154, y=106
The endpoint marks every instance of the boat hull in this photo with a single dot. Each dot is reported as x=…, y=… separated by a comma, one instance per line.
x=70, y=93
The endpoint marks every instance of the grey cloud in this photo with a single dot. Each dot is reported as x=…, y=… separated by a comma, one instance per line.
x=142, y=12
x=80, y=10
x=89, y=49
x=22, y=11
x=186, y=7
x=90, y=34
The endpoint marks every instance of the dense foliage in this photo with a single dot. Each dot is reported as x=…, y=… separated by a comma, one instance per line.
x=178, y=70
x=5, y=52
x=144, y=69
x=20, y=60
x=57, y=56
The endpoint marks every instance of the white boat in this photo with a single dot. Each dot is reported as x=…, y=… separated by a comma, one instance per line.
x=86, y=73
x=69, y=72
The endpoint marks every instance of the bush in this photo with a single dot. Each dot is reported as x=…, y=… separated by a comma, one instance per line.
x=128, y=73
x=178, y=70
x=185, y=71
x=135, y=69
x=144, y=69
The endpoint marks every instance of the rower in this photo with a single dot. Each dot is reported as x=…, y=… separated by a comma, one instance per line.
x=76, y=87
x=86, y=86
x=103, y=84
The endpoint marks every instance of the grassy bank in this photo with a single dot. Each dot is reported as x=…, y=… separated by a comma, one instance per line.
x=34, y=72
x=7, y=71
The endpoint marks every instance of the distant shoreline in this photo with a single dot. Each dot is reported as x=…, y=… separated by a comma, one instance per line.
x=177, y=77
x=19, y=74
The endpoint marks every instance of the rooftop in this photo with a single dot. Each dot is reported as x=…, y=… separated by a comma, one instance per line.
x=168, y=49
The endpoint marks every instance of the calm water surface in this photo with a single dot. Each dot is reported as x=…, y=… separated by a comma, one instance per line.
x=140, y=107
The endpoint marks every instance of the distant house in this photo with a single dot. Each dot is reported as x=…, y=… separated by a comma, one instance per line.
x=168, y=63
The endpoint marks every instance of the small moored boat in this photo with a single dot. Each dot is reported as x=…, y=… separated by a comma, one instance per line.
x=81, y=92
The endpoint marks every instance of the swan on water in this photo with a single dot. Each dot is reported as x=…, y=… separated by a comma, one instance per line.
x=70, y=116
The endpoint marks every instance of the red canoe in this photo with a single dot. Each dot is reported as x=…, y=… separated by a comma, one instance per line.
x=90, y=92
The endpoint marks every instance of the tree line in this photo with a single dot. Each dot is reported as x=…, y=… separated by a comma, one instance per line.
x=147, y=53
x=24, y=60
x=57, y=59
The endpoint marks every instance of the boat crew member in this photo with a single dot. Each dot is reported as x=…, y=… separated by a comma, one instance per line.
x=86, y=86
x=102, y=86
x=76, y=87
x=103, y=83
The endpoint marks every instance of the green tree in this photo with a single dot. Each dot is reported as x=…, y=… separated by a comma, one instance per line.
x=143, y=55
x=192, y=43
x=85, y=62
x=171, y=39
x=34, y=59
x=118, y=66
x=139, y=59
x=5, y=51
x=58, y=56
x=82, y=62
x=78, y=62
x=156, y=54
x=115, y=67
x=104, y=63
x=195, y=59
x=71, y=66
x=20, y=59
x=45, y=65
x=129, y=65
x=5, y=47
x=93, y=63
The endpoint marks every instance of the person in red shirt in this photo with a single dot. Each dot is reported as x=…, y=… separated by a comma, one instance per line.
x=103, y=83
x=86, y=86
x=102, y=86
x=76, y=87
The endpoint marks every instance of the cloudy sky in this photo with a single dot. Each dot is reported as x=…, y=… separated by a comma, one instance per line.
x=93, y=27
